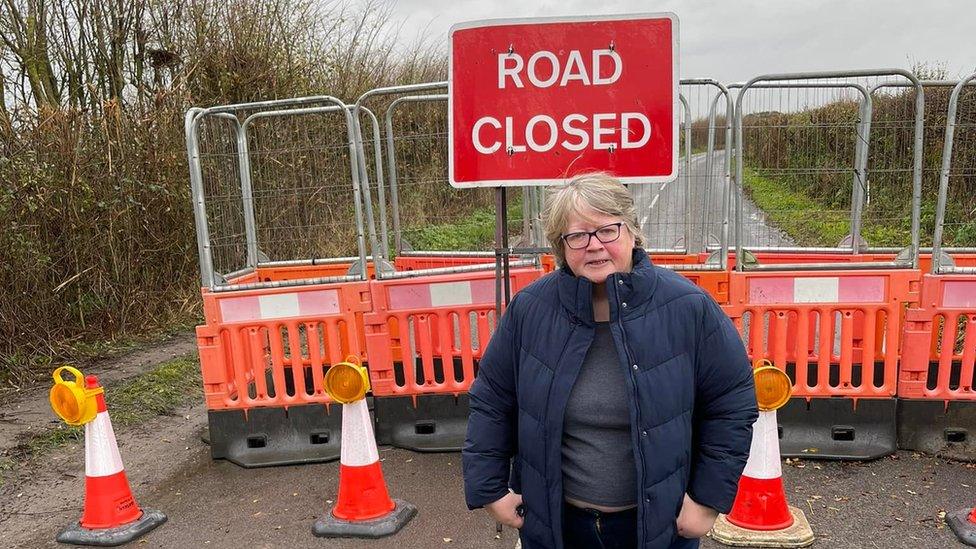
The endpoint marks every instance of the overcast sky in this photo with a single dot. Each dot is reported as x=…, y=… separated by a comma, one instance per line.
x=734, y=40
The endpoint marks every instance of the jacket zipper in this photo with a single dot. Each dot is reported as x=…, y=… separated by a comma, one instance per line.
x=633, y=377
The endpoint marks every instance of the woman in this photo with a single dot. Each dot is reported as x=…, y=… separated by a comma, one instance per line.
x=614, y=403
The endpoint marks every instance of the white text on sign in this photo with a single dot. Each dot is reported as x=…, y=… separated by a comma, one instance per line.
x=544, y=69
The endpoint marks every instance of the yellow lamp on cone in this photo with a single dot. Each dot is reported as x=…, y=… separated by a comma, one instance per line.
x=347, y=381
x=71, y=400
x=773, y=386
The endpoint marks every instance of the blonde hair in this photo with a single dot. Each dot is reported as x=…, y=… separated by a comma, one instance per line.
x=600, y=192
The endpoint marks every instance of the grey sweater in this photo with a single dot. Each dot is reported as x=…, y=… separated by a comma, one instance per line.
x=598, y=456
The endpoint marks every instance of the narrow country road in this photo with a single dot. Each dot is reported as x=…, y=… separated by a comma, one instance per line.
x=673, y=213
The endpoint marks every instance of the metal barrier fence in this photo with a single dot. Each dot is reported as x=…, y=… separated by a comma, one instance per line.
x=684, y=216
x=252, y=208
x=279, y=309
x=936, y=379
x=416, y=171
x=819, y=142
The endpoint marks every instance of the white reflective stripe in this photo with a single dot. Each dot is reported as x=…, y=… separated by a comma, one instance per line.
x=959, y=294
x=450, y=293
x=763, y=460
x=816, y=290
x=358, y=444
x=101, y=450
x=279, y=305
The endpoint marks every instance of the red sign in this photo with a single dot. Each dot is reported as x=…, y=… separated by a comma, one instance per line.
x=536, y=101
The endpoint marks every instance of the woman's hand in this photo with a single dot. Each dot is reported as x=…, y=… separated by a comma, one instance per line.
x=694, y=519
x=504, y=510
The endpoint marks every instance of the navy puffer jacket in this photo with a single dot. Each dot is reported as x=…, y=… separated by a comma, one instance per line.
x=692, y=407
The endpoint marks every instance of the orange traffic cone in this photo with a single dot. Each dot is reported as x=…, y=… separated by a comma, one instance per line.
x=363, y=508
x=111, y=515
x=963, y=524
x=760, y=515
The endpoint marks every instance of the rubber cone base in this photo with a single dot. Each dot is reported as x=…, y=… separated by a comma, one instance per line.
x=110, y=537
x=963, y=528
x=797, y=535
x=331, y=527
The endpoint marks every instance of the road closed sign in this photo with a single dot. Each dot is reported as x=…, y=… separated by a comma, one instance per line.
x=537, y=101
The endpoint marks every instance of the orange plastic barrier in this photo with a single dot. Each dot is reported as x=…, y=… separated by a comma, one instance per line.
x=418, y=262
x=425, y=335
x=298, y=272
x=774, y=258
x=836, y=333
x=939, y=341
x=271, y=346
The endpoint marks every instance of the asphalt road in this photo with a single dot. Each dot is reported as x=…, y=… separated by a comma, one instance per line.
x=892, y=502
x=683, y=210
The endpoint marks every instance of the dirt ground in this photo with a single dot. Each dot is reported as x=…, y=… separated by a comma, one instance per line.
x=29, y=411
x=896, y=501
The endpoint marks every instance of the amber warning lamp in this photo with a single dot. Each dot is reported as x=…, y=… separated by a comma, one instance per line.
x=71, y=399
x=773, y=386
x=347, y=381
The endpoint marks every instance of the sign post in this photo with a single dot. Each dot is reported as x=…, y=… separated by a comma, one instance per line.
x=537, y=101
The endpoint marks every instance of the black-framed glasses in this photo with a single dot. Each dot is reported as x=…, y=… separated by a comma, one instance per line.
x=581, y=239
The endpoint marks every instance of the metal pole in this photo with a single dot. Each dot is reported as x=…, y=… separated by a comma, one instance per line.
x=860, y=170
x=499, y=234
x=505, y=253
x=709, y=149
x=541, y=207
x=364, y=183
x=687, y=178
x=247, y=194
x=378, y=148
x=360, y=237
x=190, y=124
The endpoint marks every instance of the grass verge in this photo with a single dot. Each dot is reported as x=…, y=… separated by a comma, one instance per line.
x=477, y=232
x=811, y=223
x=133, y=401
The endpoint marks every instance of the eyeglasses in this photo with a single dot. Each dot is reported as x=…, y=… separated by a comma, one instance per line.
x=605, y=234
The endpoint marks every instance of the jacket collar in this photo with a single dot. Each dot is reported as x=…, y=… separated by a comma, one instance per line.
x=633, y=288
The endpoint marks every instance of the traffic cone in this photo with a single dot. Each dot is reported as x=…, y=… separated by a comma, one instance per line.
x=111, y=515
x=363, y=508
x=760, y=516
x=963, y=524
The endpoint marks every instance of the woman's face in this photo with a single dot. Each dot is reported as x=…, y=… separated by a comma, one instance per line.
x=598, y=260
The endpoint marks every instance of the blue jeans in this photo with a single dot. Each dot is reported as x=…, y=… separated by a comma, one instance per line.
x=592, y=529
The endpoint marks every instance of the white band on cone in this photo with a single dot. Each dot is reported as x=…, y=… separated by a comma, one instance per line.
x=358, y=443
x=763, y=460
x=101, y=450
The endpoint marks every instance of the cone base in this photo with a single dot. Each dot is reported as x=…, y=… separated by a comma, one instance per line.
x=798, y=535
x=962, y=527
x=111, y=537
x=331, y=527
